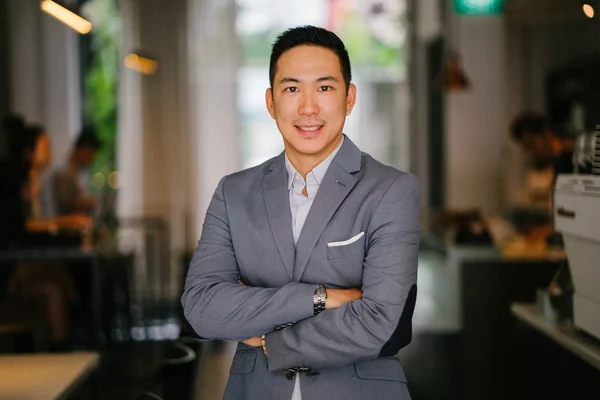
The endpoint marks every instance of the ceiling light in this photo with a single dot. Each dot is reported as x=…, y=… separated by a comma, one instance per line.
x=66, y=16
x=141, y=64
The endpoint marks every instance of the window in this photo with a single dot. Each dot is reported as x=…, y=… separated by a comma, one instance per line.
x=373, y=32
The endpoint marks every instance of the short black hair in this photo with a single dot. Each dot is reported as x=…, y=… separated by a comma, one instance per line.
x=12, y=123
x=35, y=130
x=12, y=128
x=87, y=138
x=530, y=122
x=311, y=36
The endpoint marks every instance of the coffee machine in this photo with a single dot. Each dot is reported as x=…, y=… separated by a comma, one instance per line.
x=577, y=217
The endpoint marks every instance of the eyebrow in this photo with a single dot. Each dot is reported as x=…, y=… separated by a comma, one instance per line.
x=295, y=80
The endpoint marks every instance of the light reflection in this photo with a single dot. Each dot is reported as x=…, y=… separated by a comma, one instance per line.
x=66, y=16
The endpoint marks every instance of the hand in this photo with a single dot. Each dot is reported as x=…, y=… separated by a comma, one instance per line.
x=255, y=341
x=338, y=297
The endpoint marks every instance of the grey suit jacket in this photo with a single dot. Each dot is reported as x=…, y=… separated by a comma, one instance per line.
x=247, y=235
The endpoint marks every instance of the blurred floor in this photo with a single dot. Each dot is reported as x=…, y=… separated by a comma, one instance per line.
x=437, y=308
x=433, y=362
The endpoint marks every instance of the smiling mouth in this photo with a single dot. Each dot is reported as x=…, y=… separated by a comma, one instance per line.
x=308, y=130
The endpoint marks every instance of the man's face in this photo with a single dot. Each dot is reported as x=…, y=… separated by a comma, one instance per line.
x=42, y=155
x=309, y=101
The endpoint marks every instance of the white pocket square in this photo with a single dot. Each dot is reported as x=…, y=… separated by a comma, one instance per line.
x=346, y=242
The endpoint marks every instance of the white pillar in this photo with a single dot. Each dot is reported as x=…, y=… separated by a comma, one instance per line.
x=152, y=138
x=476, y=120
x=214, y=123
x=178, y=131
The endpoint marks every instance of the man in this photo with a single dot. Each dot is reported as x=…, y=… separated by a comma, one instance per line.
x=533, y=133
x=301, y=233
x=72, y=183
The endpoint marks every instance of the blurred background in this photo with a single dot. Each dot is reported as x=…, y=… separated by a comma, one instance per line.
x=119, y=117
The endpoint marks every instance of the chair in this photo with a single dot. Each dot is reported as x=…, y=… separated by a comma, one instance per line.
x=22, y=317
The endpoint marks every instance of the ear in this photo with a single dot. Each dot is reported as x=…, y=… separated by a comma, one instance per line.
x=269, y=102
x=350, y=98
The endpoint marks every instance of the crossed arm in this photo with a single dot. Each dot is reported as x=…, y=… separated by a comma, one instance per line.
x=218, y=307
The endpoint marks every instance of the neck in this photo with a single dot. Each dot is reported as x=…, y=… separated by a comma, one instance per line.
x=304, y=163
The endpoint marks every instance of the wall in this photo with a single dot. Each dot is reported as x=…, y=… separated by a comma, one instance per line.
x=476, y=123
x=44, y=74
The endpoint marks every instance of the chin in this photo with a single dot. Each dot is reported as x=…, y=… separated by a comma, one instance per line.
x=309, y=146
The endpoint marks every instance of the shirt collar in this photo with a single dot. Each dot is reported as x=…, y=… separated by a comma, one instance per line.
x=318, y=172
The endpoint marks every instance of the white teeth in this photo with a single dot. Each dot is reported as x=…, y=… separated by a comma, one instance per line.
x=310, y=129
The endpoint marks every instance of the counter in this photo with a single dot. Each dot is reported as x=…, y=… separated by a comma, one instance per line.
x=563, y=333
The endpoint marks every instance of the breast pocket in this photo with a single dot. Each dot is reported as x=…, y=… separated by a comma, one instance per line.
x=352, y=247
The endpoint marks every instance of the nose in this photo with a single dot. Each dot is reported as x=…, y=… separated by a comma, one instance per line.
x=308, y=104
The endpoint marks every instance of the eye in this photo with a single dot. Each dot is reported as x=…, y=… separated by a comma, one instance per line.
x=325, y=88
x=291, y=89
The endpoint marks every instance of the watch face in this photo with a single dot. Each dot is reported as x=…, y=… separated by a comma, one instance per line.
x=321, y=291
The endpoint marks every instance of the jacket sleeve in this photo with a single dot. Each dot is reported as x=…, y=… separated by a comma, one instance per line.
x=216, y=306
x=378, y=324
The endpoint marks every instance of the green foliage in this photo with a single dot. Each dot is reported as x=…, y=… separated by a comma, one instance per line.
x=256, y=49
x=101, y=80
x=364, y=48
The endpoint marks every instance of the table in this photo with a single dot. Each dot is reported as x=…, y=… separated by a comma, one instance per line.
x=68, y=254
x=562, y=333
x=44, y=376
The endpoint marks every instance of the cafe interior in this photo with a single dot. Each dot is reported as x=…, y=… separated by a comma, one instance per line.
x=119, y=118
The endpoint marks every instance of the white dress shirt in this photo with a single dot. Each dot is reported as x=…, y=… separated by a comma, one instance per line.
x=300, y=206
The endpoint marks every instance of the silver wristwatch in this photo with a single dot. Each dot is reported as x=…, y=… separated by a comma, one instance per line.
x=319, y=299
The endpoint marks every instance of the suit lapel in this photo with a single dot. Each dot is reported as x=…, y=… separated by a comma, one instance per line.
x=277, y=202
x=336, y=185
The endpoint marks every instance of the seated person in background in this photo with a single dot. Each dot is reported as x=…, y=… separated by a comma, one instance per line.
x=550, y=154
x=52, y=284
x=41, y=212
x=72, y=187
x=41, y=157
x=14, y=172
x=48, y=281
x=546, y=148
